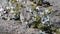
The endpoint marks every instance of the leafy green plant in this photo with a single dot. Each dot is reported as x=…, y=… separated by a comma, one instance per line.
x=36, y=22
x=40, y=26
x=38, y=18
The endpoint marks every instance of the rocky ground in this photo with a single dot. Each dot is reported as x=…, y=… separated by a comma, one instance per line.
x=13, y=27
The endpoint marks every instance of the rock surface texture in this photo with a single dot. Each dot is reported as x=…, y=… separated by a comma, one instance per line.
x=13, y=27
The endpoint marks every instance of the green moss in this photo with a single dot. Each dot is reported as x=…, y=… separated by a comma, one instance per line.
x=16, y=12
x=26, y=4
x=33, y=8
x=13, y=1
x=53, y=28
x=49, y=9
x=31, y=0
x=32, y=26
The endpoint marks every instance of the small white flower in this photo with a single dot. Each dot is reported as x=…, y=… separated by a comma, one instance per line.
x=12, y=7
x=1, y=9
x=30, y=10
x=7, y=7
x=11, y=11
x=46, y=11
x=37, y=7
x=24, y=2
x=26, y=22
x=4, y=11
x=43, y=22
